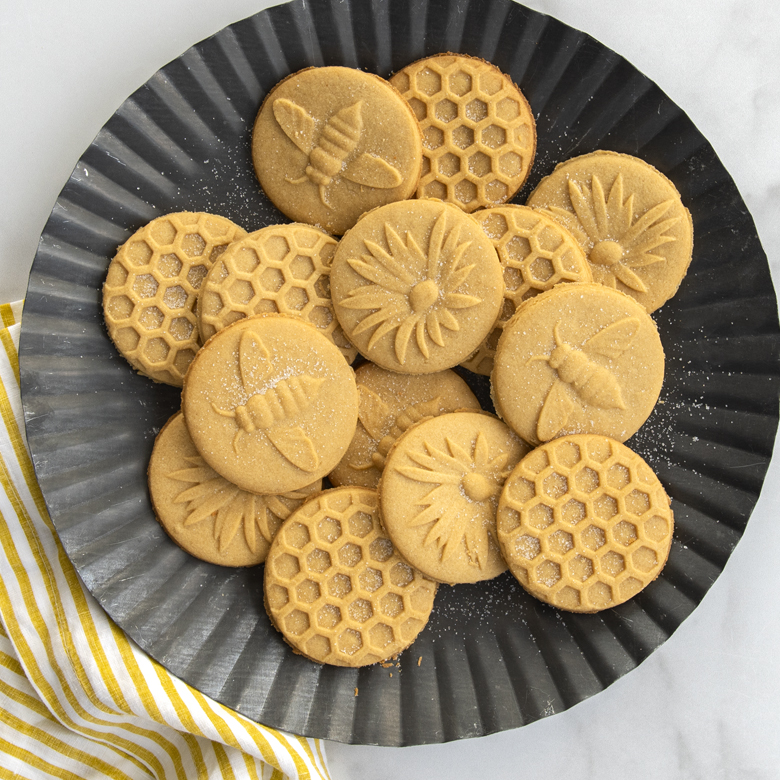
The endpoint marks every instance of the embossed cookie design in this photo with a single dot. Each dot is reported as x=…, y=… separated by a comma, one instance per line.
x=439, y=494
x=581, y=358
x=536, y=253
x=336, y=588
x=627, y=217
x=584, y=523
x=416, y=286
x=479, y=134
x=152, y=286
x=390, y=403
x=206, y=515
x=282, y=269
x=330, y=143
x=270, y=403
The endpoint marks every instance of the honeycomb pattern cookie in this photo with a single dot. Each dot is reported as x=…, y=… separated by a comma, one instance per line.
x=479, y=134
x=336, y=588
x=281, y=268
x=152, y=287
x=584, y=523
x=536, y=253
x=206, y=515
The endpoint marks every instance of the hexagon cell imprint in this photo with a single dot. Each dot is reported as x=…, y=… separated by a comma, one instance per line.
x=479, y=135
x=335, y=586
x=152, y=286
x=584, y=523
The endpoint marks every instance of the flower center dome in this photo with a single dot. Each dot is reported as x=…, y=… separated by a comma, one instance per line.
x=423, y=295
x=606, y=253
x=478, y=487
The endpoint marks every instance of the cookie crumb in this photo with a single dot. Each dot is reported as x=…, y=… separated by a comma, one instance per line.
x=356, y=691
x=419, y=660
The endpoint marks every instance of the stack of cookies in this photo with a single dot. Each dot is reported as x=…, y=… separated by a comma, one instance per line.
x=432, y=272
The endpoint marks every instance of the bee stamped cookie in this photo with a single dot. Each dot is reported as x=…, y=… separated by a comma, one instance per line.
x=416, y=286
x=331, y=143
x=581, y=358
x=270, y=403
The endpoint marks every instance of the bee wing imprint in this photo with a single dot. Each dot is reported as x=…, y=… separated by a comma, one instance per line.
x=614, y=340
x=254, y=362
x=372, y=171
x=296, y=123
x=296, y=446
x=373, y=412
x=555, y=412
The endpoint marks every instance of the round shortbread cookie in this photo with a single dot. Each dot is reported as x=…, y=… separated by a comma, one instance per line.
x=206, y=515
x=536, y=253
x=416, y=286
x=584, y=523
x=627, y=217
x=336, y=588
x=439, y=494
x=580, y=358
x=330, y=143
x=270, y=403
x=282, y=269
x=151, y=290
x=479, y=134
x=391, y=403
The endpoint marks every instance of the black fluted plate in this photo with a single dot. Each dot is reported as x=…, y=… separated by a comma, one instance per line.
x=492, y=657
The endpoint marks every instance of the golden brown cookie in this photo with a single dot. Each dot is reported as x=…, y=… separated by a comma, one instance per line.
x=536, y=253
x=205, y=514
x=389, y=404
x=152, y=287
x=580, y=358
x=629, y=220
x=270, y=403
x=439, y=494
x=416, y=286
x=281, y=269
x=584, y=523
x=330, y=143
x=336, y=588
x=479, y=134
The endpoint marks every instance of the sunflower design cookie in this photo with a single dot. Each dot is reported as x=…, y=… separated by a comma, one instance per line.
x=439, y=494
x=627, y=217
x=416, y=286
x=205, y=514
x=584, y=523
x=152, y=287
x=335, y=586
x=479, y=134
x=390, y=403
x=536, y=253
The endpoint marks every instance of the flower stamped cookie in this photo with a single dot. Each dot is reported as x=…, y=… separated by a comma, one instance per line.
x=580, y=358
x=270, y=403
x=416, y=286
x=629, y=220
x=330, y=143
x=439, y=494
x=205, y=514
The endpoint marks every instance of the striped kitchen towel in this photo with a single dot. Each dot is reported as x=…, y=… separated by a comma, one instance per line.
x=78, y=699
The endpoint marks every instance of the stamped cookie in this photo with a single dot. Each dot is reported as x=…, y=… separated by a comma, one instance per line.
x=336, y=588
x=391, y=403
x=479, y=134
x=584, y=523
x=416, y=286
x=281, y=269
x=330, y=143
x=627, y=217
x=152, y=286
x=439, y=494
x=206, y=515
x=536, y=253
x=580, y=358
x=270, y=403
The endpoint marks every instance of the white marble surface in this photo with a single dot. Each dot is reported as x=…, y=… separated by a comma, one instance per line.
x=705, y=705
